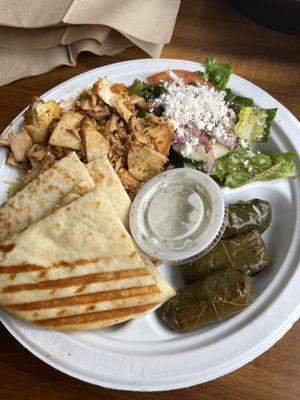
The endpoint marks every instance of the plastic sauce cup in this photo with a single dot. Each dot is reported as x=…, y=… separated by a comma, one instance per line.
x=178, y=216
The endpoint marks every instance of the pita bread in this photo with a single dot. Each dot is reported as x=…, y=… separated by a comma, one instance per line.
x=103, y=174
x=106, y=178
x=78, y=269
x=42, y=195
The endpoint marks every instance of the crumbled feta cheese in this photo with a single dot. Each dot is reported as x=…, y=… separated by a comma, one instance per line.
x=203, y=107
x=187, y=149
x=244, y=143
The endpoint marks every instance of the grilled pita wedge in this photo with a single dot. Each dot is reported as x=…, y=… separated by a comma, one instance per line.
x=106, y=178
x=77, y=269
x=42, y=195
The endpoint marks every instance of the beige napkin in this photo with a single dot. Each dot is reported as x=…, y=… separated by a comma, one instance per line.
x=37, y=36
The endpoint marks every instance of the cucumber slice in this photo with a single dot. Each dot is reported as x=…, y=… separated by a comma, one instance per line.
x=219, y=151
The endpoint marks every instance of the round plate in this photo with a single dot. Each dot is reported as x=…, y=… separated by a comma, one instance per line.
x=143, y=354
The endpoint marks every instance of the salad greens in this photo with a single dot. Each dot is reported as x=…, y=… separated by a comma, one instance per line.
x=216, y=72
x=245, y=165
x=237, y=102
x=148, y=92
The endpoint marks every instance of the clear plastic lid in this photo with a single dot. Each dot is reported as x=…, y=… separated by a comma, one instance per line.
x=178, y=215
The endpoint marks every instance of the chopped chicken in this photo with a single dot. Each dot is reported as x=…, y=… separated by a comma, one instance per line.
x=66, y=133
x=113, y=123
x=67, y=105
x=90, y=104
x=155, y=133
x=36, y=154
x=102, y=121
x=144, y=163
x=136, y=99
x=4, y=140
x=20, y=143
x=10, y=160
x=162, y=136
x=39, y=118
x=58, y=152
x=137, y=127
x=103, y=88
x=38, y=151
x=47, y=162
x=94, y=144
x=128, y=181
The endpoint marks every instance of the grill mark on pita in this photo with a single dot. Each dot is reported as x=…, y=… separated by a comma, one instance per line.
x=7, y=247
x=15, y=269
x=81, y=280
x=95, y=316
x=80, y=261
x=96, y=297
x=81, y=288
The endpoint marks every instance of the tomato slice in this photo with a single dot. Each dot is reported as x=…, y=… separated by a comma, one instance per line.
x=188, y=77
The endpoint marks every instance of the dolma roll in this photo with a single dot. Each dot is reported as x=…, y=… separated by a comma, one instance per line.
x=244, y=216
x=210, y=299
x=246, y=252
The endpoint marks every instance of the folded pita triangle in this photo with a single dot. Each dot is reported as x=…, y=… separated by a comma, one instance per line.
x=42, y=195
x=78, y=269
x=104, y=176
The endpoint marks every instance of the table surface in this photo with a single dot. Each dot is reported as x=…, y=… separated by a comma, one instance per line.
x=269, y=59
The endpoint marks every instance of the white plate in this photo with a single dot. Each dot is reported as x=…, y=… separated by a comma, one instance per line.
x=144, y=355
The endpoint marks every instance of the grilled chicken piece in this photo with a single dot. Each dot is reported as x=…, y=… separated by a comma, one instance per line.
x=143, y=162
x=39, y=118
x=10, y=160
x=4, y=140
x=103, y=89
x=66, y=132
x=113, y=123
x=36, y=154
x=136, y=99
x=94, y=144
x=161, y=136
x=137, y=127
x=47, y=162
x=20, y=143
x=155, y=132
x=128, y=181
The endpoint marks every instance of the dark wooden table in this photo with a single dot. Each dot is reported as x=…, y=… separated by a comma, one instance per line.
x=269, y=59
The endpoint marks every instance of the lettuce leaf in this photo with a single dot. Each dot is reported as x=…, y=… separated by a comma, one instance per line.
x=143, y=89
x=271, y=113
x=237, y=102
x=244, y=165
x=216, y=72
